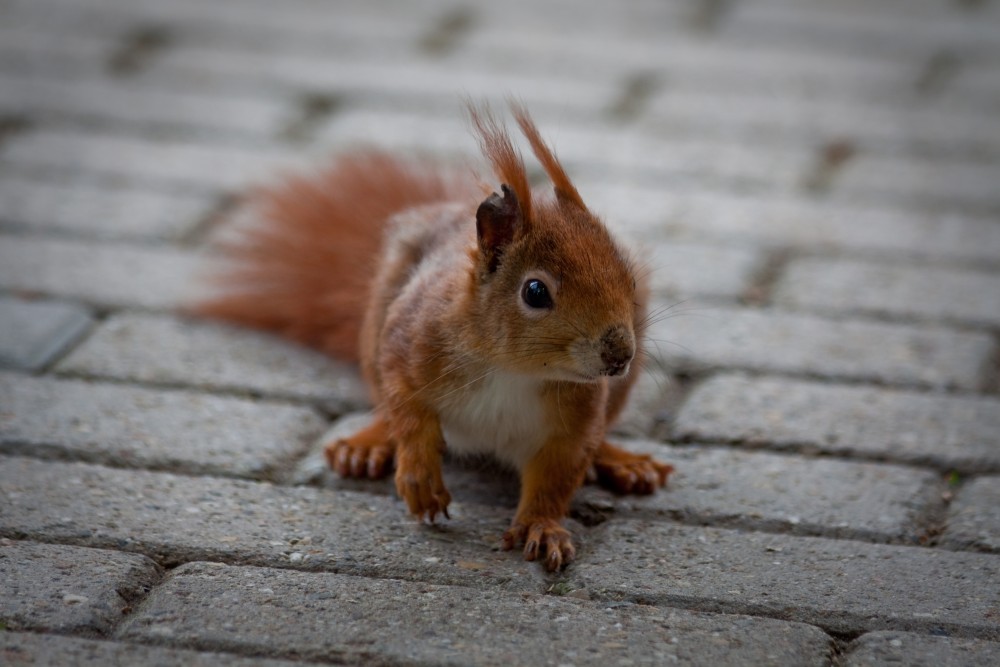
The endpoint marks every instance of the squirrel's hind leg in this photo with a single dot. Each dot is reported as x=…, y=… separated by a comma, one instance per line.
x=369, y=453
x=624, y=472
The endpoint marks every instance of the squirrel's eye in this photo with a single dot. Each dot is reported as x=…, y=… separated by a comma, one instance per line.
x=536, y=294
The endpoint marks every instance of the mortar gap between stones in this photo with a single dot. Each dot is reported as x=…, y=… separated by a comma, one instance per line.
x=763, y=280
x=312, y=109
x=225, y=204
x=636, y=92
x=138, y=47
x=446, y=34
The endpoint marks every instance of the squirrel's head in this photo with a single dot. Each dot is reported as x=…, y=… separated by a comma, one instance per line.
x=558, y=293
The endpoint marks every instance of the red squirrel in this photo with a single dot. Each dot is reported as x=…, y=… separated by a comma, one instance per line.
x=509, y=325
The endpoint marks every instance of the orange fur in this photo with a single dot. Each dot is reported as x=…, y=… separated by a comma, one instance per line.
x=564, y=188
x=506, y=160
x=305, y=270
x=372, y=262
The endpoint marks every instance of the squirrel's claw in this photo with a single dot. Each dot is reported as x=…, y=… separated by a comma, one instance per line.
x=425, y=494
x=542, y=538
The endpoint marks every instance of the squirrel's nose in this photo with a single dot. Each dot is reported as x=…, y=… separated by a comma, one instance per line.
x=617, y=350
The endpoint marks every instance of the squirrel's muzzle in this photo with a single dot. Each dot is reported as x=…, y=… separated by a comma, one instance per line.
x=617, y=350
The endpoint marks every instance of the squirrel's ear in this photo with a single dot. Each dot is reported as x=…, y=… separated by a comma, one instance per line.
x=498, y=223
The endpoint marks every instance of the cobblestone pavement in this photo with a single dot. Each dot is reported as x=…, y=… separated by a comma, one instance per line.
x=818, y=188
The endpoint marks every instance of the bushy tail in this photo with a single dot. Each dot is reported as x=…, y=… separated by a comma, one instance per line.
x=304, y=271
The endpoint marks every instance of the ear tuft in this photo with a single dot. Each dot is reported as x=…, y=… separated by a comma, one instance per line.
x=498, y=224
x=506, y=160
x=566, y=192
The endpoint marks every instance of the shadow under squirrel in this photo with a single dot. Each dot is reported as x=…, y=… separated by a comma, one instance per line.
x=504, y=324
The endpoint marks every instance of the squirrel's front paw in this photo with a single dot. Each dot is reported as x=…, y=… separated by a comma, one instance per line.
x=422, y=487
x=624, y=472
x=354, y=457
x=541, y=537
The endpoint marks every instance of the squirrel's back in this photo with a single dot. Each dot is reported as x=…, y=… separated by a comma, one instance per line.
x=304, y=270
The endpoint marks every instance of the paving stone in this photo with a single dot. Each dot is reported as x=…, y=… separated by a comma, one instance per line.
x=948, y=432
x=99, y=210
x=905, y=648
x=775, y=341
x=25, y=50
x=196, y=165
x=178, y=519
x=198, y=22
x=966, y=183
x=746, y=116
x=796, y=494
x=842, y=586
x=689, y=62
x=165, y=350
x=57, y=588
x=127, y=103
x=21, y=649
x=33, y=333
x=650, y=403
x=973, y=519
x=843, y=285
x=135, y=427
x=683, y=269
x=105, y=275
x=885, y=29
x=729, y=217
x=325, y=616
x=406, y=80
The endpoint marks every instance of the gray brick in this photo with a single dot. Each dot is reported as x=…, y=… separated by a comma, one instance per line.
x=953, y=182
x=404, y=80
x=649, y=403
x=751, y=116
x=886, y=29
x=378, y=621
x=725, y=216
x=691, y=63
x=179, y=518
x=22, y=649
x=842, y=586
x=225, y=21
x=853, y=286
x=137, y=161
x=679, y=269
x=68, y=589
x=775, y=341
x=973, y=519
x=904, y=648
x=978, y=80
x=27, y=50
x=914, y=427
x=33, y=333
x=106, y=275
x=130, y=103
x=102, y=211
x=443, y=135
x=130, y=426
x=168, y=351
x=762, y=491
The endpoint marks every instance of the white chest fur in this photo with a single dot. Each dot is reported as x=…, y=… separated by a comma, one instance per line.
x=503, y=415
